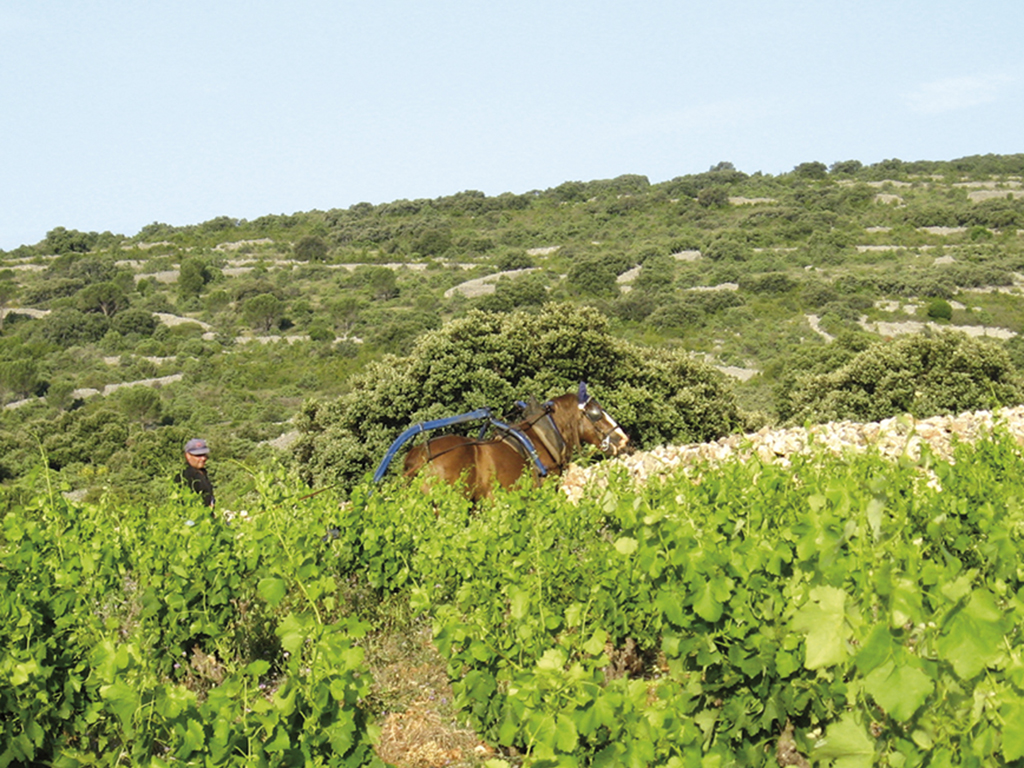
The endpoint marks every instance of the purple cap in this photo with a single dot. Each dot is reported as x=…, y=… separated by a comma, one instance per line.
x=197, y=447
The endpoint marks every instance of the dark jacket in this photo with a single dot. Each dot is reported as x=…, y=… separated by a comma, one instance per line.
x=198, y=481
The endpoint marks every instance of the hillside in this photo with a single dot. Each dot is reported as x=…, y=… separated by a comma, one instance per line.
x=743, y=271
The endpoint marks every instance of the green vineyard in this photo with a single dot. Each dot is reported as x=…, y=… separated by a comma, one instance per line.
x=847, y=611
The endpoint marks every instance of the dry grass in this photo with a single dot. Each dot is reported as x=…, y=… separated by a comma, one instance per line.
x=419, y=724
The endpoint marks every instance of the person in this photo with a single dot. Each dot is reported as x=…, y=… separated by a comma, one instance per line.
x=194, y=474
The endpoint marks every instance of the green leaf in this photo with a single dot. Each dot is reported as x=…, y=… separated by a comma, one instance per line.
x=672, y=606
x=123, y=701
x=272, y=590
x=595, y=645
x=520, y=602
x=257, y=668
x=1013, y=731
x=876, y=650
x=23, y=671
x=706, y=606
x=899, y=690
x=847, y=743
x=292, y=633
x=626, y=546
x=823, y=620
x=599, y=711
x=193, y=740
x=552, y=659
x=959, y=588
x=566, y=736
x=874, y=515
x=905, y=602
x=973, y=635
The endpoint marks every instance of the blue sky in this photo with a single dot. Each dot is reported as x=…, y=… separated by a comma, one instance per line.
x=116, y=113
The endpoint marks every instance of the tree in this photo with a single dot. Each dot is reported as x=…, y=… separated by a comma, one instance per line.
x=70, y=327
x=513, y=260
x=262, y=312
x=382, y=282
x=846, y=167
x=19, y=377
x=89, y=436
x=8, y=292
x=193, y=276
x=676, y=315
x=724, y=248
x=656, y=275
x=344, y=313
x=434, y=241
x=713, y=197
x=525, y=290
x=141, y=404
x=768, y=283
x=137, y=321
x=106, y=297
x=60, y=394
x=813, y=170
x=592, y=277
x=60, y=240
x=320, y=331
x=310, y=248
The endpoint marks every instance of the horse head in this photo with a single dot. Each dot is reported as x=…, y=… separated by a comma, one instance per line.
x=597, y=427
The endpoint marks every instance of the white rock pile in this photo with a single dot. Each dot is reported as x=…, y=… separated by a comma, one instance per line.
x=892, y=438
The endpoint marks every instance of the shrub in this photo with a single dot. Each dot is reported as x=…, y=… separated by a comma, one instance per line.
x=70, y=327
x=512, y=260
x=920, y=375
x=137, y=321
x=526, y=290
x=592, y=277
x=726, y=249
x=770, y=283
x=311, y=248
x=676, y=315
x=713, y=197
x=940, y=309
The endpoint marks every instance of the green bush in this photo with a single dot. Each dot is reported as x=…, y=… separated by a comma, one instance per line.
x=676, y=315
x=940, y=309
x=921, y=375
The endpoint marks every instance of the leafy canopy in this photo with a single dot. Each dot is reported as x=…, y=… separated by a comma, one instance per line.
x=920, y=375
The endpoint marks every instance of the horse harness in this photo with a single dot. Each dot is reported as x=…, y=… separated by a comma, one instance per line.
x=539, y=417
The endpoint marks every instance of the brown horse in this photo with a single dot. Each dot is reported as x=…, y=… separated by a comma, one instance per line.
x=555, y=430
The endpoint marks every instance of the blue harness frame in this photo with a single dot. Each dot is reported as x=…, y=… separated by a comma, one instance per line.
x=480, y=414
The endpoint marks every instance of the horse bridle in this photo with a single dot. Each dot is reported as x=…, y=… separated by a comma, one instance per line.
x=595, y=413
